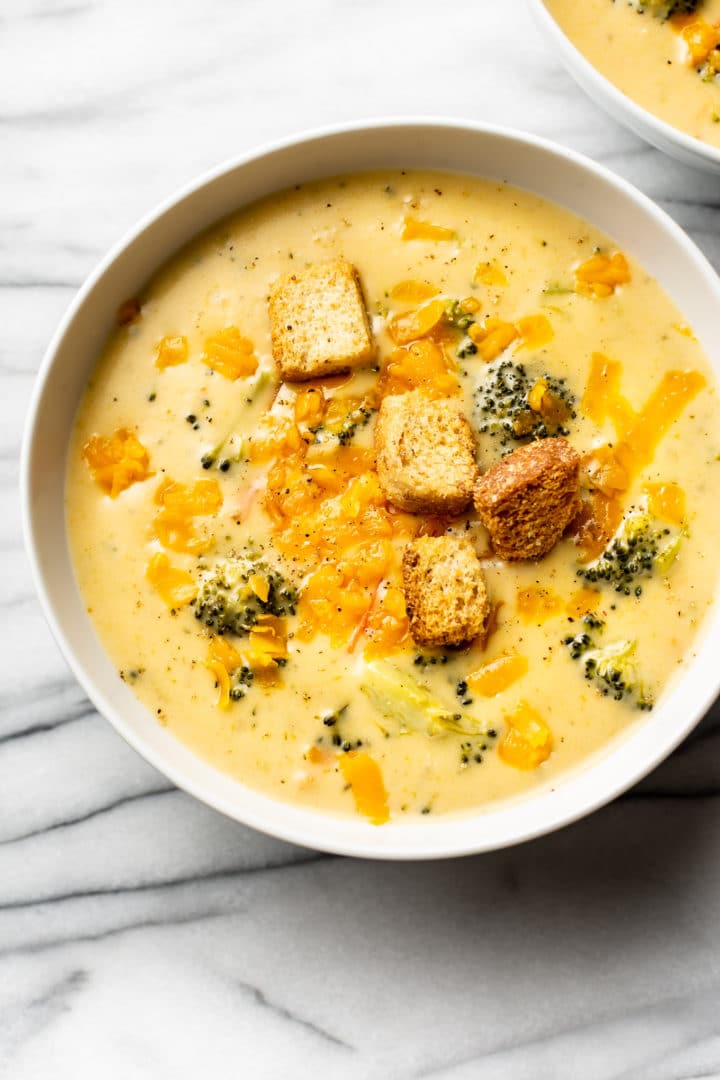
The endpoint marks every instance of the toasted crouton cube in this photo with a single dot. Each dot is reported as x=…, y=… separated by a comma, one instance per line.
x=527, y=499
x=425, y=453
x=445, y=594
x=318, y=322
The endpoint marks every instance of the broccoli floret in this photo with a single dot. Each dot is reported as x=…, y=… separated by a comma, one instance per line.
x=240, y=682
x=663, y=9
x=639, y=549
x=612, y=668
x=234, y=592
x=456, y=317
x=343, y=418
x=400, y=698
x=578, y=644
x=514, y=404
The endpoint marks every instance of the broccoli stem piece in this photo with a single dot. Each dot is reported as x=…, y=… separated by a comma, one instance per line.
x=231, y=448
x=557, y=290
x=400, y=698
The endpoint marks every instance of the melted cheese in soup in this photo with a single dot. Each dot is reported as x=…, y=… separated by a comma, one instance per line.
x=188, y=452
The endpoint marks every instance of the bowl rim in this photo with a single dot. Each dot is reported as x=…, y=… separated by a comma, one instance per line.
x=442, y=837
x=638, y=118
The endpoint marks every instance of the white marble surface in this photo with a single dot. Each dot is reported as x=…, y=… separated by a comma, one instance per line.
x=144, y=936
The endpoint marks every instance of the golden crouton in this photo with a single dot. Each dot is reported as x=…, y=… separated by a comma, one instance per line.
x=425, y=453
x=318, y=322
x=445, y=594
x=527, y=499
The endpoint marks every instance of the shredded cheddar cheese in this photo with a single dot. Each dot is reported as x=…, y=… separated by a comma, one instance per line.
x=175, y=587
x=230, y=354
x=118, y=461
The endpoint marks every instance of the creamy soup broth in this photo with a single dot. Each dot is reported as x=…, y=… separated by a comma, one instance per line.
x=650, y=59
x=527, y=250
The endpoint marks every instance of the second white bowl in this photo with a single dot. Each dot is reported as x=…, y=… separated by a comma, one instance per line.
x=660, y=134
x=550, y=171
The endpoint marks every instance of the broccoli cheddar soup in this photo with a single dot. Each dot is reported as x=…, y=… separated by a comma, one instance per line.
x=664, y=54
x=390, y=495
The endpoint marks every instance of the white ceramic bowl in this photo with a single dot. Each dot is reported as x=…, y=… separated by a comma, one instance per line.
x=550, y=171
x=664, y=136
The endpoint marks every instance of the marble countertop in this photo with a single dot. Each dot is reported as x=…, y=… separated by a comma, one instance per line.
x=144, y=936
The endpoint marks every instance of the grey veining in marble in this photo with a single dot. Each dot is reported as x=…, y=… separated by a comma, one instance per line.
x=142, y=935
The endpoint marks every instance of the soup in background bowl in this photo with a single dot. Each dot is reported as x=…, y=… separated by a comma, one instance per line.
x=654, y=66
x=347, y=644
